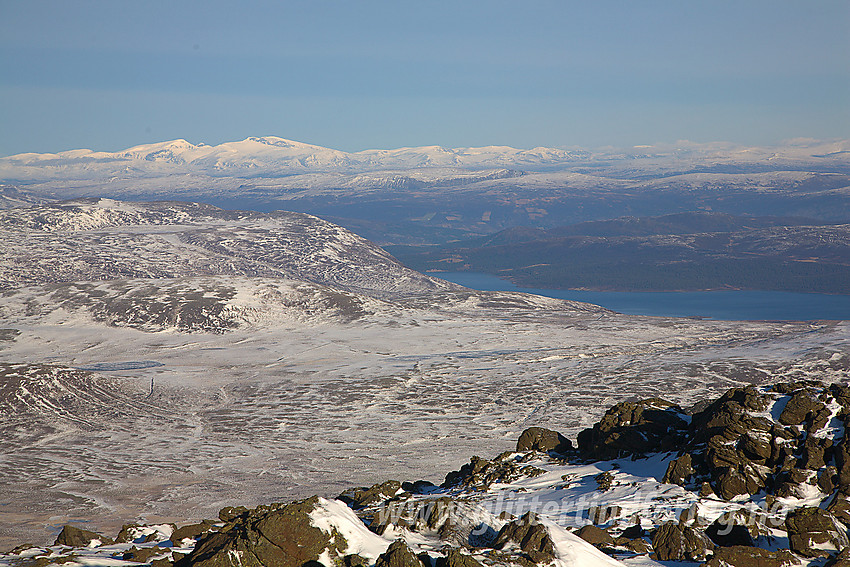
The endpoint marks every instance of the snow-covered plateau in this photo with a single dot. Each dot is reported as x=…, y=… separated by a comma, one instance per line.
x=164, y=361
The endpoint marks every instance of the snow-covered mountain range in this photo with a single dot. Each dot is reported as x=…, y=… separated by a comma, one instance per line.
x=271, y=155
x=431, y=194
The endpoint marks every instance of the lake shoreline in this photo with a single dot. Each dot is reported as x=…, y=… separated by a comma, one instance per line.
x=719, y=304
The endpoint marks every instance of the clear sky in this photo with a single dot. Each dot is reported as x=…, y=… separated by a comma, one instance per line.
x=361, y=74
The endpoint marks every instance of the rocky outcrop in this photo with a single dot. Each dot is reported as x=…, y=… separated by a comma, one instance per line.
x=269, y=536
x=813, y=532
x=456, y=558
x=543, y=440
x=530, y=536
x=728, y=531
x=744, y=556
x=801, y=406
x=676, y=542
x=595, y=535
x=398, y=555
x=679, y=470
x=482, y=473
x=632, y=428
x=191, y=531
x=361, y=497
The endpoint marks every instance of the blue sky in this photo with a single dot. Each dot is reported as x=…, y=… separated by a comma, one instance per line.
x=366, y=74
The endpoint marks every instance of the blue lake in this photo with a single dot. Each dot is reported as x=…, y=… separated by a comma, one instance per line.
x=724, y=305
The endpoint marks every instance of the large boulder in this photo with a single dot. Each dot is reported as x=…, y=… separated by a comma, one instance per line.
x=729, y=531
x=277, y=535
x=635, y=428
x=745, y=556
x=364, y=496
x=680, y=470
x=531, y=536
x=398, y=555
x=543, y=440
x=676, y=542
x=73, y=536
x=595, y=535
x=840, y=509
x=745, y=478
x=456, y=558
x=813, y=532
x=190, y=532
x=802, y=405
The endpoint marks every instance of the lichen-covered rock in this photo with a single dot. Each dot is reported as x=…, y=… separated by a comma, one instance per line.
x=481, y=473
x=363, y=496
x=354, y=560
x=142, y=555
x=840, y=560
x=840, y=509
x=634, y=428
x=679, y=470
x=728, y=531
x=813, y=532
x=230, y=513
x=603, y=514
x=398, y=555
x=744, y=556
x=827, y=479
x=73, y=536
x=674, y=542
x=455, y=558
x=277, y=535
x=544, y=440
x=531, y=537
x=801, y=405
x=191, y=531
x=604, y=481
x=595, y=535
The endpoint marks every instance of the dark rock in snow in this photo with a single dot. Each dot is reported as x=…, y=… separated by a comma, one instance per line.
x=192, y=531
x=73, y=536
x=543, y=440
x=679, y=470
x=634, y=531
x=269, y=536
x=674, y=542
x=355, y=560
x=418, y=486
x=603, y=514
x=840, y=509
x=604, y=481
x=813, y=532
x=142, y=555
x=531, y=536
x=230, y=513
x=361, y=497
x=799, y=407
x=729, y=531
x=456, y=558
x=125, y=535
x=744, y=556
x=482, y=473
x=827, y=479
x=636, y=545
x=595, y=535
x=634, y=428
x=398, y=555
